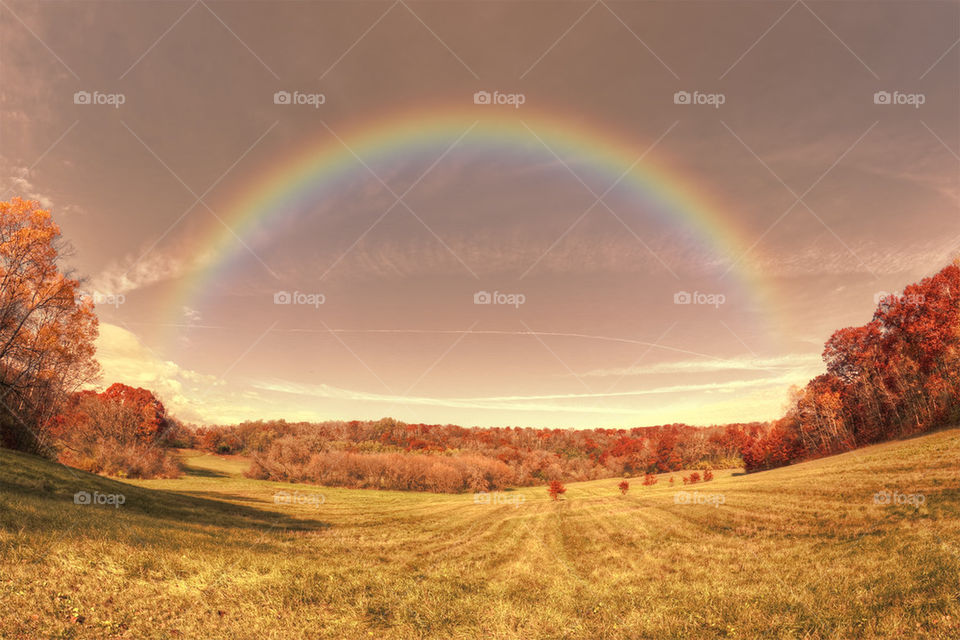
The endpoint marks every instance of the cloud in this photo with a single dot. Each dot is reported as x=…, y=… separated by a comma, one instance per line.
x=21, y=185
x=796, y=363
x=192, y=316
x=188, y=395
x=150, y=268
x=521, y=403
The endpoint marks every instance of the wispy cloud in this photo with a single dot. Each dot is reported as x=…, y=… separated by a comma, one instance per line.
x=154, y=267
x=556, y=402
x=21, y=184
x=796, y=363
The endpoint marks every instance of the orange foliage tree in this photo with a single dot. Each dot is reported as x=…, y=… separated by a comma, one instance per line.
x=47, y=329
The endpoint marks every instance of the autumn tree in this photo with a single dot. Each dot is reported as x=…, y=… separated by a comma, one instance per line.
x=556, y=489
x=896, y=375
x=47, y=329
x=121, y=431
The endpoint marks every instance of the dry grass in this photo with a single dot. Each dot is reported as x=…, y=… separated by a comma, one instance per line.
x=800, y=552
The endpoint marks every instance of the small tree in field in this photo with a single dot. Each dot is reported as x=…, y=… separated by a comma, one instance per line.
x=649, y=480
x=624, y=487
x=555, y=489
x=707, y=475
x=671, y=481
x=694, y=478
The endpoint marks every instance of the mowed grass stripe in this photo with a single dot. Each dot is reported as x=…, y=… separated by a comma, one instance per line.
x=800, y=552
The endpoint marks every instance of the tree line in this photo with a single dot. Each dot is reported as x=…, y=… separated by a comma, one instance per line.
x=895, y=376
x=389, y=454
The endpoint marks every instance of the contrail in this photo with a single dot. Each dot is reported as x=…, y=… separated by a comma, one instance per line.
x=557, y=334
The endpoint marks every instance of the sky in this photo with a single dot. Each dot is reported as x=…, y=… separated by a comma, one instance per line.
x=537, y=213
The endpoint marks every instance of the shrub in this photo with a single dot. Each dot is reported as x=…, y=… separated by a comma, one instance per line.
x=649, y=480
x=179, y=436
x=694, y=478
x=121, y=432
x=555, y=489
x=293, y=459
x=707, y=475
x=109, y=457
x=624, y=487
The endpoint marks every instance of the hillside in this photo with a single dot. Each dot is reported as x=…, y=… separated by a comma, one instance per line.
x=798, y=552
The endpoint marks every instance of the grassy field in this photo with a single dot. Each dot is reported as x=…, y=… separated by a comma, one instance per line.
x=800, y=552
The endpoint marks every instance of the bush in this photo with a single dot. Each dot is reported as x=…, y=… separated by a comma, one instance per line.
x=121, y=432
x=292, y=459
x=624, y=487
x=555, y=489
x=179, y=436
x=649, y=480
x=707, y=475
x=109, y=457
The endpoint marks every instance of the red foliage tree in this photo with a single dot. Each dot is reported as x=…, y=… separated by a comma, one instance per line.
x=556, y=489
x=624, y=487
x=896, y=375
x=118, y=432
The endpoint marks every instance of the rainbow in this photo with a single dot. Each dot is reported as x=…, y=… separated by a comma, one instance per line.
x=315, y=169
